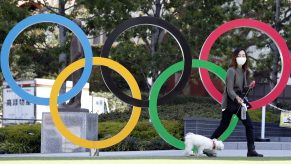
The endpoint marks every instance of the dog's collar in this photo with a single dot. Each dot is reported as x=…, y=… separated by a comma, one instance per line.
x=214, y=145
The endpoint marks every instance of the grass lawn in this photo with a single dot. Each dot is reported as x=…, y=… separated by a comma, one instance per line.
x=152, y=160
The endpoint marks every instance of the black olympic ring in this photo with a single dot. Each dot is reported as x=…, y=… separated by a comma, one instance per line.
x=106, y=72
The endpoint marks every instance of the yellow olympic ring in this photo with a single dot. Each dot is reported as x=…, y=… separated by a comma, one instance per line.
x=83, y=142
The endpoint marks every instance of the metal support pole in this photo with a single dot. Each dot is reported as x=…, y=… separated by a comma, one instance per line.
x=263, y=122
x=263, y=125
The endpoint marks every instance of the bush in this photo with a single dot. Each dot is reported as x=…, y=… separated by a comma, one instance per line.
x=128, y=144
x=156, y=143
x=285, y=105
x=143, y=137
x=26, y=138
x=20, y=139
x=177, y=109
x=10, y=148
x=109, y=128
x=256, y=116
x=182, y=107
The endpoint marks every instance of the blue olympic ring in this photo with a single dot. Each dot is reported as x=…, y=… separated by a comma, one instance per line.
x=40, y=18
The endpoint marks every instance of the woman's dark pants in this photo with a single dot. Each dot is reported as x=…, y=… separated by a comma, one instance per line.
x=224, y=123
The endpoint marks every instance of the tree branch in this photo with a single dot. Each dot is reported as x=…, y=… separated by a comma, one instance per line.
x=145, y=77
x=97, y=36
x=147, y=43
x=286, y=18
x=286, y=12
x=75, y=5
x=50, y=8
x=253, y=58
x=147, y=13
x=74, y=9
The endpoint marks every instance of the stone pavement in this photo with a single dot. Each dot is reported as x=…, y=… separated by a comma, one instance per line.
x=157, y=153
x=231, y=149
x=259, y=145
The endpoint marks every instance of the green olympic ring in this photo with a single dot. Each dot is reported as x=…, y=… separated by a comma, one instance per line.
x=153, y=112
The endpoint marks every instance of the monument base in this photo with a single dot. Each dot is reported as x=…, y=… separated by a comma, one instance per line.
x=82, y=124
x=70, y=109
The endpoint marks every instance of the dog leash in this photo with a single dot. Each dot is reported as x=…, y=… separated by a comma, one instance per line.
x=243, y=98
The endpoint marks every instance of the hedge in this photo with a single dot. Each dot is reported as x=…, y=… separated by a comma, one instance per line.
x=182, y=107
x=176, y=109
x=20, y=139
x=143, y=137
x=26, y=138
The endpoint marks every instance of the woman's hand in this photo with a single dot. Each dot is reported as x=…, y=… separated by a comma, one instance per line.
x=252, y=85
x=239, y=100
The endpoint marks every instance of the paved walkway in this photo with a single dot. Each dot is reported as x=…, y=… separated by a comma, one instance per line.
x=158, y=153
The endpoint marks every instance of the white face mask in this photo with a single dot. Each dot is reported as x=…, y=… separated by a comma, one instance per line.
x=241, y=60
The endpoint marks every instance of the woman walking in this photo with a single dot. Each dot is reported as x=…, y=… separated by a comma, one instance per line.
x=236, y=85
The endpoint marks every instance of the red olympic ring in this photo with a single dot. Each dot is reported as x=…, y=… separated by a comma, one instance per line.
x=268, y=30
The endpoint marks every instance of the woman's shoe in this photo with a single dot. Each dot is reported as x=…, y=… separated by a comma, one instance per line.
x=252, y=152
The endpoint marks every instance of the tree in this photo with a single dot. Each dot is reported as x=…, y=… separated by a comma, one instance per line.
x=143, y=55
x=139, y=57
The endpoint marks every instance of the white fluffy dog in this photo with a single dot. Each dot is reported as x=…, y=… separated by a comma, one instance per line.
x=202, y=143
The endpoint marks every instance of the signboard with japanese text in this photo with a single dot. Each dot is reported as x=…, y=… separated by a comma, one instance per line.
x=16, y=110
x=285, y=119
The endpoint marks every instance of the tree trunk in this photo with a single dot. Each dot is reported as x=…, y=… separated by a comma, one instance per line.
x=155, y=42
x=62, y=40
x=274, y=73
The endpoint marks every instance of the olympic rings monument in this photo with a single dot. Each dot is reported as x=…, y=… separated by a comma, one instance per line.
x=78, y=130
